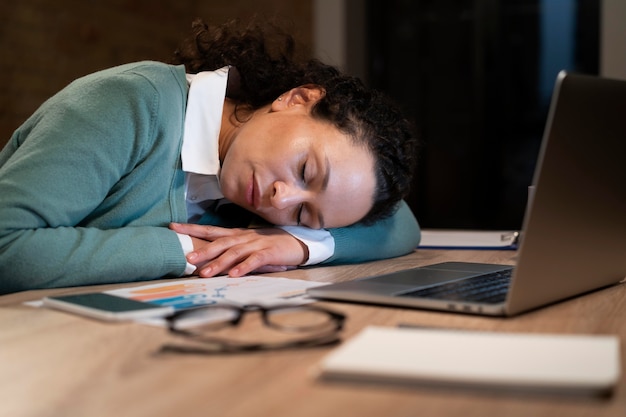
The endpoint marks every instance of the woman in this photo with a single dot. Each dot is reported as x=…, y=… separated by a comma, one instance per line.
x=127, y=174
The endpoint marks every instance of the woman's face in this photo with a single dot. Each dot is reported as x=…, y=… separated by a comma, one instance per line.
x=291, y=169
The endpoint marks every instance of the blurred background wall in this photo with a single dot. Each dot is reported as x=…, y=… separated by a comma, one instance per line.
x=45, y=44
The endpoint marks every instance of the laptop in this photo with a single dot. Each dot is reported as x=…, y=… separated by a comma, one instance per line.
x=573, y=238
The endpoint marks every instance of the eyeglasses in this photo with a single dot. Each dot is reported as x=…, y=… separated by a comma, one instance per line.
x=210, y=328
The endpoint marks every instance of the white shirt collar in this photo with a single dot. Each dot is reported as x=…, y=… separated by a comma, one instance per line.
x=203, y=119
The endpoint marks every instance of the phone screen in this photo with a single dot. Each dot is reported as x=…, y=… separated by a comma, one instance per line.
x=106, y=306
x=106, y=302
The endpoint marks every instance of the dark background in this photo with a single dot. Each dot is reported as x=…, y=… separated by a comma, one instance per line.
x=45, y=44
x=477, y=75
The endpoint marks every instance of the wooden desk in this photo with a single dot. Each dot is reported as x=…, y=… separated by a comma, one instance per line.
x=57, y=364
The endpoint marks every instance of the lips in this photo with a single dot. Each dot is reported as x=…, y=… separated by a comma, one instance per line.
x=252, y=193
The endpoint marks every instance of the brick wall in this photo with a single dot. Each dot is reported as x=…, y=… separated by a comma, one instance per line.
x=45, y=44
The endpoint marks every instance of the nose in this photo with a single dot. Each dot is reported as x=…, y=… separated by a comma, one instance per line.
x=286, y=195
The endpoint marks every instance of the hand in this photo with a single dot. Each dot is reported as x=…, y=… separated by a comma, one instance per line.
x=241, y=251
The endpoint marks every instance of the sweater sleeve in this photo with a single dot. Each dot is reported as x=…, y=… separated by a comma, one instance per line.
x=394, y=236
x=60, y=175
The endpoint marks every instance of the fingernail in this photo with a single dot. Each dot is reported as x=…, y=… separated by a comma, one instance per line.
x=192, y=256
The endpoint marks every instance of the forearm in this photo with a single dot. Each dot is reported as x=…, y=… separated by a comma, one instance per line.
x=70, y=256
x=391, y=237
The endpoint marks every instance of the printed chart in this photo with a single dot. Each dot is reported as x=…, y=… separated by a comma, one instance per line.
x=189, y=293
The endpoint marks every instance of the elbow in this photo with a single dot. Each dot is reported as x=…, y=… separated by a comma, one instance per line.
x=16, y=269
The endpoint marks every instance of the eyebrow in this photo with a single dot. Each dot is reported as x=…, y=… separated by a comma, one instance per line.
x=320, y=216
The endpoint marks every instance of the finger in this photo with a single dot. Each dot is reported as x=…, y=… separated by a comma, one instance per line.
x=272, y=268
x=237, y=261
x=211, y=250
x=268, y=256
x=254, y=262
x=205, y=232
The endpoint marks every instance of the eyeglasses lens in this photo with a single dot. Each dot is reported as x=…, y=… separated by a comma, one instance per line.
x=206, y=319
x=300, y=320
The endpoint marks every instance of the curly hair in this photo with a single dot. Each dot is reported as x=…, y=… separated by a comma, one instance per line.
x=265, y=63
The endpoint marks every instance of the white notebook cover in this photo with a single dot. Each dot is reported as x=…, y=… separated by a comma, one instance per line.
x=545, y=363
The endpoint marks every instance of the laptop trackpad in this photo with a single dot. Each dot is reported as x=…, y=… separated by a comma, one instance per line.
x=399, y=281
x=421, y=277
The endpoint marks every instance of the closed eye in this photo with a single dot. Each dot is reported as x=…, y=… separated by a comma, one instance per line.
x=303, y=172
x=299, y=215
x=301, y=206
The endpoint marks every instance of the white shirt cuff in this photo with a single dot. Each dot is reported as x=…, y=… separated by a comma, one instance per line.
x=319, y=241
x=187, y=245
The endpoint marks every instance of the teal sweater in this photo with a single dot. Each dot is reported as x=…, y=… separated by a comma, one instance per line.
x=90, y=182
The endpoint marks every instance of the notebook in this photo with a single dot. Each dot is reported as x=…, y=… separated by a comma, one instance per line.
x=573, y=238
x=525, y=362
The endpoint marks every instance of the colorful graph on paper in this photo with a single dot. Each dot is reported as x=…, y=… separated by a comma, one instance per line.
x=252, y=289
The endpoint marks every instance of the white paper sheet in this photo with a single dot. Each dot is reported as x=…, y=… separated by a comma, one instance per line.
x=253, y=289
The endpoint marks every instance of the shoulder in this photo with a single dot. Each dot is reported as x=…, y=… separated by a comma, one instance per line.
x=115, y=102
x=130, y=100
x=150, y=70
x=138, y=90
x=137, y=77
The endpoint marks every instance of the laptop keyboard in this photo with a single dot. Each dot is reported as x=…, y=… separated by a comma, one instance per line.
x=488, y=288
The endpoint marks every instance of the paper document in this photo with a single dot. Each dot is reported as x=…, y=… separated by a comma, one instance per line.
x=469, y=239
x=544, y=363
x=188, y=293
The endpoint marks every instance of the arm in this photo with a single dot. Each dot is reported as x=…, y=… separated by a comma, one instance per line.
x=394, y=236
x=240, y=251
x=66, y=211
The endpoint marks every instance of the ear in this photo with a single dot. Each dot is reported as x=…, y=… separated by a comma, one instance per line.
x=305, y=95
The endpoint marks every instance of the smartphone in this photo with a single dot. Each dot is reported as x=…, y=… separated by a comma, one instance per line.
x=106, y=306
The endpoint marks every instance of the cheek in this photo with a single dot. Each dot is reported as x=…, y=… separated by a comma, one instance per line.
x=228, y=182
x=276, y=218
x=349, y=210
x=350, y=197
